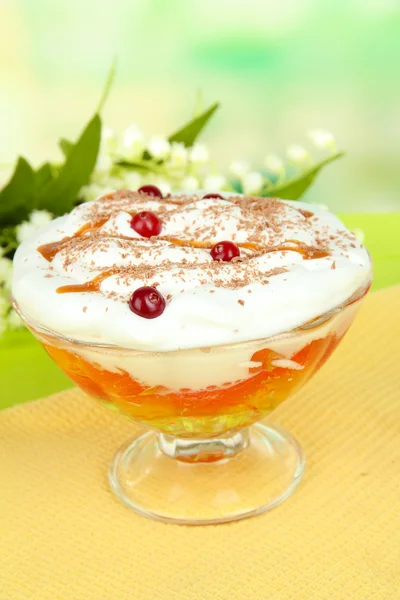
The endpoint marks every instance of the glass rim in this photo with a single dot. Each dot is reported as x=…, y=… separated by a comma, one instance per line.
x=309, y=325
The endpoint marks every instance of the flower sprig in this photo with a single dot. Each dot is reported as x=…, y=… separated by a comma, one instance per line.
x=131, y=160
x=101, y=161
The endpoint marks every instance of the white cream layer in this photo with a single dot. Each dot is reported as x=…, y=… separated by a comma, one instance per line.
x=198, y=313
x=197, y=369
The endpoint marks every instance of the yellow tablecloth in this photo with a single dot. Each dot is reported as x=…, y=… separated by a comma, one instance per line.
x=65, y=537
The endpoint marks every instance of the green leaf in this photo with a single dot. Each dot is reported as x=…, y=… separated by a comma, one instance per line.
x=237, y=186
x=143, y=165
x=8, y=240
x=108, y=85
x=65, y=146
x=43, y=176
x=198, y=103
x=294, y=188
x=60, y=194
x=17, y=197
x=189, y=133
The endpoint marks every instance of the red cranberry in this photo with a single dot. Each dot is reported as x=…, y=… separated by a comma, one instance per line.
x=147, y=302
x=151, y=190
x=225, y=251
x=146, y=224
x=213, y=195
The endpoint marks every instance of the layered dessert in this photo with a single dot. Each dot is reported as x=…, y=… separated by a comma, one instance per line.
x=194, y=314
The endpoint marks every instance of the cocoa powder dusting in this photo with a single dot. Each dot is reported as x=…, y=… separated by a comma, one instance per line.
x=260, y=218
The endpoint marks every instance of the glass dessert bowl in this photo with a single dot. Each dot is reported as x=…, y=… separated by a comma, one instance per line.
x=207, y=458
x=194, y=316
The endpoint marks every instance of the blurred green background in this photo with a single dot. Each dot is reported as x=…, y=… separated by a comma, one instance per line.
x=278, y=68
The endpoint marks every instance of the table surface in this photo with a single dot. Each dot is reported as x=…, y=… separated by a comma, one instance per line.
x=65, y=536
x=27, y=373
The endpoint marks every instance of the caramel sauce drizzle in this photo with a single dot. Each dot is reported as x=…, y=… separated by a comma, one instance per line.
x=166, y=199
x=306, y=213
x=90, y=286
x=49, y=251
x=191, y=243
x=94, y=284
x=208, y=243
x=308, y=252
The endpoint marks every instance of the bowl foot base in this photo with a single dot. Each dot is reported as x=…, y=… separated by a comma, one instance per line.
x=260, y=469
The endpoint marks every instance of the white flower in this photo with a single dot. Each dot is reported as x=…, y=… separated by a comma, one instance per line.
x=4, y=306
x=90, y=192
x=14, y=320
x=132, y=144
x=94, y=190
x=100, y=177
x=108, y=140
x=274, y=163
x=178, y=156
x=213, y=183
x=239, y=168
x=298, y=154
x=252, y=182
x=104, y=163
x=113, y=183
x=37, y=219
x=190, y=183
x=199, y=154
x=322, y=139
x=5, y=270
x=132, y=180
x=24, y=231
x=159, y=147
x=163, y=185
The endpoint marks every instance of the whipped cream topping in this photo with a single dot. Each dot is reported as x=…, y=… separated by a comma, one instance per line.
x=297, y=262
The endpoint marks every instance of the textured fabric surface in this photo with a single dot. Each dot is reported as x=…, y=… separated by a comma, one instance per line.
x=64, y=535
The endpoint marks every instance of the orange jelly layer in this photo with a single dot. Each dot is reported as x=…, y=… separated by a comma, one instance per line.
x=212, y=410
